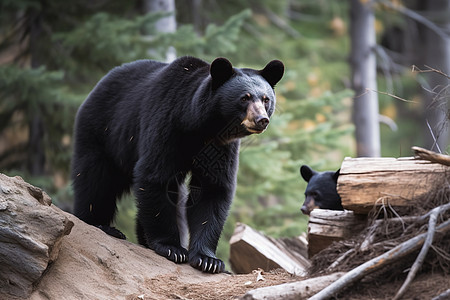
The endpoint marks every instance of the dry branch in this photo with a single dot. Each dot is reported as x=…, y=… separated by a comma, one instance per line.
x=377, y=263
x=423, y=252
x=431, y=156
x=294, y=290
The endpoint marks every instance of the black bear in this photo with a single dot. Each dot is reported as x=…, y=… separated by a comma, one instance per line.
x=169, y=132
x=321, y=190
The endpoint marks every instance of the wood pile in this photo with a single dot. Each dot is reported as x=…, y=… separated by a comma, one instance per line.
x=251, y=250
x=396, y=210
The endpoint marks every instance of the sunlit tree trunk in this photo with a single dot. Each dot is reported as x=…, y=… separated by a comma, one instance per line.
x=364, y=83
x=165, y=25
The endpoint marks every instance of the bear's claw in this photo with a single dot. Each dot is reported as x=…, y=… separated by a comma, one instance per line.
x=208, y=264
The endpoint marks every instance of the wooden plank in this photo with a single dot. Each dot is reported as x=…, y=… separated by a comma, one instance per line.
x=326, y=226
x=365, y=182
x=250, y=250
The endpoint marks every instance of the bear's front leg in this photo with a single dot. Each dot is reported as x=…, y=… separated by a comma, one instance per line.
x=206, y=219
x=157, y=221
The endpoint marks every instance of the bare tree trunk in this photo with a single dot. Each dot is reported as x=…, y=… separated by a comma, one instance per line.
x=165, y=25
x=437, y=56
x=364, y=81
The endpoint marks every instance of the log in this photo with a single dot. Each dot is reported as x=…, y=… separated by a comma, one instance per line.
x=326, y=226
x=250, y=250
x=294, y=290
x=367, y=182
x=31, y=233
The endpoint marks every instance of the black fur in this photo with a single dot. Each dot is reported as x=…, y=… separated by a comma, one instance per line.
x=321, y=190
x=146, y=126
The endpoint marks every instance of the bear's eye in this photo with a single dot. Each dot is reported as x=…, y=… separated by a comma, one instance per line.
x=246, y=97
x=265, y=99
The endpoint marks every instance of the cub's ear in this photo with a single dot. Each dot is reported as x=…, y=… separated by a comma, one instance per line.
x=221, y=70
x=307, y=172
x=273, y=72
x=336, y=175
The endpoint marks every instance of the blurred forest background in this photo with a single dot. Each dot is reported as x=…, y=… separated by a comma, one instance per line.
x=52, y=53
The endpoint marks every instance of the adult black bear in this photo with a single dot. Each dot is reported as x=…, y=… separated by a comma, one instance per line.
x=148, y=126
x=321, y=190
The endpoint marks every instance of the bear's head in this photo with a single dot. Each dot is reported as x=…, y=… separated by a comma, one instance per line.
x=321, y=190
x=245, y=97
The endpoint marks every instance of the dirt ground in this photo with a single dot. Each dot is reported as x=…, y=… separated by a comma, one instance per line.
x=426, y=286
x=234, y=287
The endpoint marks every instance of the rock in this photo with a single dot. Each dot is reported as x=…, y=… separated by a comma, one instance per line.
x=94, y=265
x=31, y=232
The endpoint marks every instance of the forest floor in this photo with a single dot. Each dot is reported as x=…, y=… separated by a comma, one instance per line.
x=426, y=286
x=93, y=265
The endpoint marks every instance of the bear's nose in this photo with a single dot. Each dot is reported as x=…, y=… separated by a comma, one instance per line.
x=305, y=210
x=262, y=121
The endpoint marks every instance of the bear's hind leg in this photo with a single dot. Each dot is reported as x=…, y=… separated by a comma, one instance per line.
x=97, y=184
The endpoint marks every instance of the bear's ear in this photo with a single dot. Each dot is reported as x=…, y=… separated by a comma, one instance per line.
x=273, y=72
x=307, y=172
x=336, y=175
x=221, y=70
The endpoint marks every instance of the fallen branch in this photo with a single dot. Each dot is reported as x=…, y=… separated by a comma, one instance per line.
x=423, y=252
x=377, y=263
x=434, y=213
x=292, y=290
x=431, y=156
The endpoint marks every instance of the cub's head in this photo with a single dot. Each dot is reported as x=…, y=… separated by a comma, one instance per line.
x=245, y=97
x=321, y=190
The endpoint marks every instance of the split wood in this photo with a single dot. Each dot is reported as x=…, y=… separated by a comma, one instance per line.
x=387, y=258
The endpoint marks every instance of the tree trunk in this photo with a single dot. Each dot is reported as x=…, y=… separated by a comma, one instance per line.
x=437, y=56
x=36, y=149
x=364, y=81
x=164, y=25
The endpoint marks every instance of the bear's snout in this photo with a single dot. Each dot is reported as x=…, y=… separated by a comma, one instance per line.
x=256, y=120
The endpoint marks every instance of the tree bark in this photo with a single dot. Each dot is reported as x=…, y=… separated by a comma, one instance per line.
x=363, y=63
x=165, y=25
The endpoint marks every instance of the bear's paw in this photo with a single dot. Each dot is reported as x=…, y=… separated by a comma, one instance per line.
x=207, y=264
x=176, y=254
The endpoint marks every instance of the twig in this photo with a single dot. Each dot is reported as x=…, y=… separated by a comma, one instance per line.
x=391, y=95
x=341, y=258
x=431, y=156
x=434, y=138
x=430, y=69
x=377, y=263
x=423, y=252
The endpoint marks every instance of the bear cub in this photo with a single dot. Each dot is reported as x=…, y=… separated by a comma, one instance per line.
x=321, y=190
x=170, y=133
